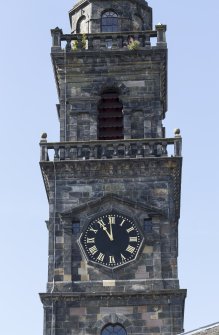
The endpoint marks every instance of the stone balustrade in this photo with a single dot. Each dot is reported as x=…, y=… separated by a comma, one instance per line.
x=130, y=40
x=62, y=151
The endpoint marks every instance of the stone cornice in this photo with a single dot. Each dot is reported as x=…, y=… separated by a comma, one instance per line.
x=169, y=166
x=49, y=297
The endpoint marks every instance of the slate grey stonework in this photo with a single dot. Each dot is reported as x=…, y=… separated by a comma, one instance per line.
x=156, y=313
x=88, y=74
x=135, y=176
x=149, y=184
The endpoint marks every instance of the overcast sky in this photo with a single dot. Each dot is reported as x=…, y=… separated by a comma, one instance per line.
x=28, y=98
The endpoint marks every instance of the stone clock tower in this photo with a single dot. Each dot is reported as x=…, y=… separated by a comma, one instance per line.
x=113, y=180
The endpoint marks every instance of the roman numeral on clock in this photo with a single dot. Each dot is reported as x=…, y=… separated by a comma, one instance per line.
x=101, y=257
x=93, y=230
x=130, y=249
x=112, y=260
x=123, y=221
x=130, y=229
x=101, y=223
x=112, y=220
x=123, y=258
x=91, y=240
x=133, y=239
x=93, y=250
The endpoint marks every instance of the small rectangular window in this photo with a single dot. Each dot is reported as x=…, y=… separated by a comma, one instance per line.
x=148, y=225
x=76, y=228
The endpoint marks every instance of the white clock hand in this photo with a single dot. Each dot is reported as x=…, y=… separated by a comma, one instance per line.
x=103, y=226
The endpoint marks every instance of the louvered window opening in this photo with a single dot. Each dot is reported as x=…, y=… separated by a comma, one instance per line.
x=110, y=117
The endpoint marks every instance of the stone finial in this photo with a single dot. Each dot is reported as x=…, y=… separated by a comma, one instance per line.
x=177, y=132
x=43, y=137
x=161, y=26
x=56, y=37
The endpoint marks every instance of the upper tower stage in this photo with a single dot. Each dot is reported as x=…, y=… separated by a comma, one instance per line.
x=127, y=15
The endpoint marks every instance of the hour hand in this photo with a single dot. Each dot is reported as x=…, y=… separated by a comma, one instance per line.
x=110, y=235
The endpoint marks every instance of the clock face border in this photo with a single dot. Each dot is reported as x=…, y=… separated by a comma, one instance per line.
x=123, y=217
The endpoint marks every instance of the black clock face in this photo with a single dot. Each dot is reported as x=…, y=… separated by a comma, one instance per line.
x=111, y=240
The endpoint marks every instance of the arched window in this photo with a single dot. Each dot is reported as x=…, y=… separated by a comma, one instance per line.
x=110, y=116
x=81, y=25
x=109, y=22
x=114, y=330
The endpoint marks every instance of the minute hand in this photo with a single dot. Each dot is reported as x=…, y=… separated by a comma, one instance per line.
x=110, y=235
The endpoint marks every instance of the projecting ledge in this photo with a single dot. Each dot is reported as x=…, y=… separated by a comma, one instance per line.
x=115, y=149
x=170, y=295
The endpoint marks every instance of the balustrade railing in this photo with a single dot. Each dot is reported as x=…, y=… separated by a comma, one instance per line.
x=63, y=151
x=116, y=40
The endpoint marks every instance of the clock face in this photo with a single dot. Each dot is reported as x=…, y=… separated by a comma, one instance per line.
x=111, y=240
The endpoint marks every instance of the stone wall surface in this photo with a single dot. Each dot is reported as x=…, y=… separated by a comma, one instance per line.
x=141, y=191
x=158, y=314
x=138, y=77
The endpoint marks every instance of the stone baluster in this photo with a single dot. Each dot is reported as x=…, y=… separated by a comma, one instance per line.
x=92, y=151
x=103, y=42
x=79, y=39
x=103, y=153
x=157, y=149
x=141, y=39
x=120, y=41
x=164, y=149
x=74, y=152
x=177, y=143
x=146, y=150
x=125, y=41
x=90, y=42
x=114, y=42
x=68, y=45
x=44, y=151
x=152, y=149
x=147, y=40
x=139, y=150
x=127, y=149
x=56, y=155
x=115, y=150
x=78, y=152
x=67, y=152
x=62, y=153
x=86, y=152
